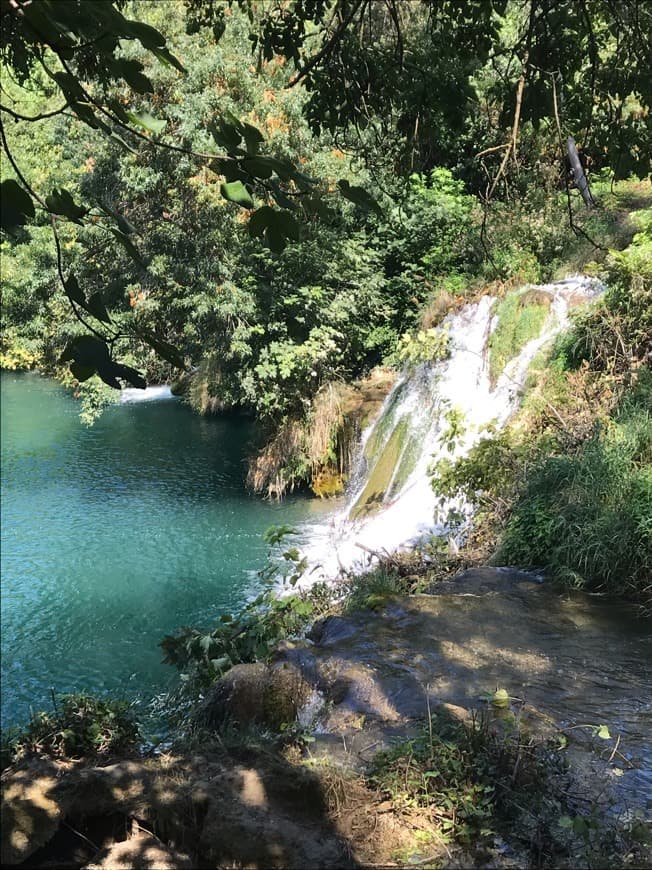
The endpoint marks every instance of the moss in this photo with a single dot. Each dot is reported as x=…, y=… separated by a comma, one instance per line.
x=382, y=474
x=520, y=319
x=406, y=464
x=383, y=426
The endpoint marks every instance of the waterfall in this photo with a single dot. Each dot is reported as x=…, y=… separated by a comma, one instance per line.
x=150, y=394
x=391, y=505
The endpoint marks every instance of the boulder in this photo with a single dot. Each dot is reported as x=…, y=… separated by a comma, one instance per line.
x=267, y=695
x=34, y=802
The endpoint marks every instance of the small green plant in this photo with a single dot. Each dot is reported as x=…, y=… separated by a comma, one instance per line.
x=373, y=589
x=473, y=780
x=249, y=636
x=79, y=726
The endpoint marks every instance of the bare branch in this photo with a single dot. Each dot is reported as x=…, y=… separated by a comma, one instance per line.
x=39, y=117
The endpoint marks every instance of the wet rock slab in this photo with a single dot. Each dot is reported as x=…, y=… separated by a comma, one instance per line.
x=564, y=661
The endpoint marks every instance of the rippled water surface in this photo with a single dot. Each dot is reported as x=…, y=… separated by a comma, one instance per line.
x=114, y=536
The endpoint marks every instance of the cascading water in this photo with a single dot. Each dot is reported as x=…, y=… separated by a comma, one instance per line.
x=150, y=394
x=391, y=504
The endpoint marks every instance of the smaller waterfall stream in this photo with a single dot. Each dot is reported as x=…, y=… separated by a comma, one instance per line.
x=391, y=504
x=150, y=394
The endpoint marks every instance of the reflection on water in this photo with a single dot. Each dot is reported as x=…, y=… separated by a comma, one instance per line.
x=115, y=535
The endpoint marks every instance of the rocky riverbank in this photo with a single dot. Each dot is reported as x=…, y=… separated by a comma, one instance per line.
x=513, y=694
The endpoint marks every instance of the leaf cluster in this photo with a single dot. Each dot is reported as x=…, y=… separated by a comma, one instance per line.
x=78, y=726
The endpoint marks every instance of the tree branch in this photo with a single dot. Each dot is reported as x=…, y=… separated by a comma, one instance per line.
x=330, y=45
x=39, y=117
x=16, y=169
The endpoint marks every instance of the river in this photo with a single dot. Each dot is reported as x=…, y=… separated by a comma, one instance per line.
x=115, y=535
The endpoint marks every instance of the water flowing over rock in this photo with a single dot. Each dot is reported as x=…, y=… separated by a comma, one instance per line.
x=150, y=394
x=391, y=504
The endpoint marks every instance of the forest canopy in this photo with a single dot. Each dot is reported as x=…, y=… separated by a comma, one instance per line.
x=271, y=190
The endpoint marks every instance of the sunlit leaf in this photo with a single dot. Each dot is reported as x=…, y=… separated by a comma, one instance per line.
x=147, y=121
x=500, y=698
x=236, y=192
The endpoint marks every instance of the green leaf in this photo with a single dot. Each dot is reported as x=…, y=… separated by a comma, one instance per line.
x=73, y=290
x=163, y=348
x=85, y=113
x=226, y=135
x=603, y=733
x=61, y=202
x=69, y=85
x=500, y=698
x=147, y=121
x=123, y=225
x=281, y=198
x=168, y=59
x=222, y=664
x=259, y=167
x=149, y=36
x=229, y=168
x=131, y=72
x=260, y=220
x=275, y=239
x=16, y=205
x=96, y=307
x=87, y=351
x=128, y=245
x=235, y=191
x=288, y=225
x=359, y=196
x=253, y=137
x=118, y=110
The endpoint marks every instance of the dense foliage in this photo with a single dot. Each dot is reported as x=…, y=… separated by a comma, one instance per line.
x=270, y=224
x=78, y=726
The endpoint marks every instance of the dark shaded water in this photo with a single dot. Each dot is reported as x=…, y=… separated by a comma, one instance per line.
x=114, y=536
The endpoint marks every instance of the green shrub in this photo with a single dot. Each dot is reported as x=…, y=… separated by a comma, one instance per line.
x=79, y=726
x=249, y=636
x=616, y=334
x=253, y=633
x=586, y=517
